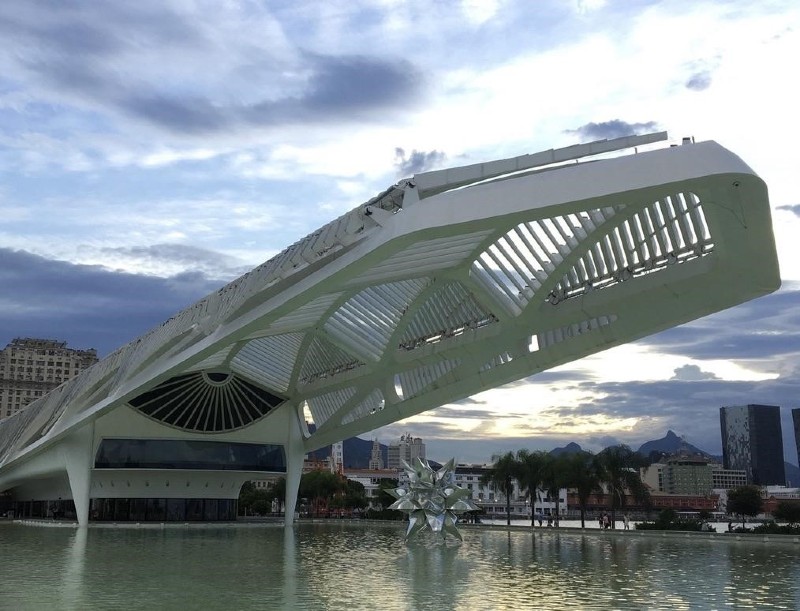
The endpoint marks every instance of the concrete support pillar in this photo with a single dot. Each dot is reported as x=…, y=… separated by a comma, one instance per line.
x=295, y=453
x=78, y=459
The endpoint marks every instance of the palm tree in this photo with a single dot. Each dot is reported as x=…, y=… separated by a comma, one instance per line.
x=554, y=477
x=501, y=477
x=619, y=471
x=531, y=467
x=584, y=477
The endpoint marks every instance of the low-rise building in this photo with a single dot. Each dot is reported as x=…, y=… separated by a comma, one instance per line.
x=727, y=479
x=373, y=480
x=493, y=501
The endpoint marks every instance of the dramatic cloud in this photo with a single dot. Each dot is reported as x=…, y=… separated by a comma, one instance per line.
x=761, y=329
x=692, y=373
x=699, y=81
x=200, y=260
x=615, y=128
x=150, y=136
x=294, y=85
x=87, y=306
x=417, y=161
x=795, y=209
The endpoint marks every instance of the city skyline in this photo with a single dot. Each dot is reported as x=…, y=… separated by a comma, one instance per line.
x=133, y=186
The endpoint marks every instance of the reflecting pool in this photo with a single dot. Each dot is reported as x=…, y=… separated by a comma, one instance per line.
x=344, y=565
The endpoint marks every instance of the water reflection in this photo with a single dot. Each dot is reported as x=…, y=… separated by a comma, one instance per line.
x=438, y=574
x=366, y=566
x=289, y=581
x=74, y=563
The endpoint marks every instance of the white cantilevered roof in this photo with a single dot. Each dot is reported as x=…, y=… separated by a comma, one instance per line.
x=444, y=285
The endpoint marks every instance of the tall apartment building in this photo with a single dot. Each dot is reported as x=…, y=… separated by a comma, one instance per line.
x=31, y=368
x=407, y=449
x=752, y=441
x=337, y=457
x=796, y=421
x=376, y=457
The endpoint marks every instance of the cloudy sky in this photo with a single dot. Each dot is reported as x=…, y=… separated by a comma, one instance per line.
x=151, y=151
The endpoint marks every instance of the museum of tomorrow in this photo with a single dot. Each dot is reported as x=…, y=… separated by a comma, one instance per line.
x=446, y=284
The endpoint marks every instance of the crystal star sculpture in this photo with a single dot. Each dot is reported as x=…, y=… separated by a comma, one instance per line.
x=432, y=500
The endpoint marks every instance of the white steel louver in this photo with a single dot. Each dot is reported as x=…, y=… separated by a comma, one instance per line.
x=374, y=402
x=269, y=360
x=367, y=320
x=214, y=361
x=304, y=317
x=323, y=359
x=411, y=383
x=207, y=401
x=515, y=266
x=555, y=336
x=671, y=230
x=497, y=361
x=425, y=257
x=447, y=312
x=325, y=406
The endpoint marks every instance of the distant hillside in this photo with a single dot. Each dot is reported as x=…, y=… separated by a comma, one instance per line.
x=669, y=444
x=570, y=448
x=357, y=453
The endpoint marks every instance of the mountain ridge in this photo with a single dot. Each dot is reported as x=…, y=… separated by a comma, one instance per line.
x=357, y=452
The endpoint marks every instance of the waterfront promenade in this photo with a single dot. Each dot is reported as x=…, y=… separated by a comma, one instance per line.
x=566, y=527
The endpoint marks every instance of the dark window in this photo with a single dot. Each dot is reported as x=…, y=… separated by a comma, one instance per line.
x=206, y=401
x=189, y=454
x=121, y=512
x=226, y=509
x=156, y=510
x=210, y=510
x=176, y=510
x=194, y=509
x=138, y=510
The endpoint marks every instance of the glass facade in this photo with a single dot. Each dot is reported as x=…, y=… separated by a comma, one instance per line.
x=43, y=509
x=189, y=454
x=752, y=442
x=163, y=510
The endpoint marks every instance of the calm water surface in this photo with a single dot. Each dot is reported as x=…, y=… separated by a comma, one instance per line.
x=368, y=566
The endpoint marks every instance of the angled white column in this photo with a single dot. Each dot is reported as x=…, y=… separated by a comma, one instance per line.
x=295, y=453
x=78, y=458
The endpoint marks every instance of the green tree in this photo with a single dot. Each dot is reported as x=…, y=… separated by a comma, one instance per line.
x=618, y=467
x=501, y=477
x=320, y=487
x=554, y=478
x=787, y=511
x=354, y=496
x=745, y=501
x=529, y=470
x=262, y=506
x=254, y=501
x=583, y=476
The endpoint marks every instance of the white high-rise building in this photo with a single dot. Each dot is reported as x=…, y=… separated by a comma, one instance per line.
x=337, y=456
x=407, y=449
x=376, y=458
x=31, y=368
